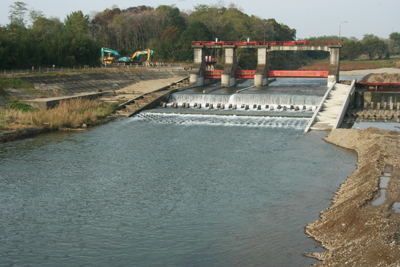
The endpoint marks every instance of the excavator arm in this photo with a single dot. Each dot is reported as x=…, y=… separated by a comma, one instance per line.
x=147, y=52
x=136, y=55
x=109, y=59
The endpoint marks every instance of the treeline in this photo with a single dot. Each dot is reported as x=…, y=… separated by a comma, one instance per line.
x=167, y=30
x=47, y=42
x=370, y=45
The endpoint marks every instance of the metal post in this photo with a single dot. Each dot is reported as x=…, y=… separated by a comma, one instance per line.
x=340, y=27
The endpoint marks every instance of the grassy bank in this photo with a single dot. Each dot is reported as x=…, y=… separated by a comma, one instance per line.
x=12, y=83
x=346, y=65
x=68, y=114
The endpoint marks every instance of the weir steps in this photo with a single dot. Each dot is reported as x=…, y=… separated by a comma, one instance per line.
x=330, y=109
x=138, y=103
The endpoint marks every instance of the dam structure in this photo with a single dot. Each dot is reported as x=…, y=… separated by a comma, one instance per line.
x=280, y=97
x=228, y=76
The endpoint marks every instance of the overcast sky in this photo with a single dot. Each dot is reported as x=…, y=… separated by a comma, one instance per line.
x=310, y=18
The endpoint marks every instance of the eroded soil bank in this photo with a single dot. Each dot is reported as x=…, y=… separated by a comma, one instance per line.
x=355, y=230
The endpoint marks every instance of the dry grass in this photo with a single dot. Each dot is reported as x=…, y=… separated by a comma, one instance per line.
x=353, y=65
x=71, y=114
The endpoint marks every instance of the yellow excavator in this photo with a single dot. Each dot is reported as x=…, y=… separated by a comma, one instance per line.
x=136, y=55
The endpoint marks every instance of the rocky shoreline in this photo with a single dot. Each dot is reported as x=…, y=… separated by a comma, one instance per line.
x=355, y=230
x=10, y=136
x=20, y=134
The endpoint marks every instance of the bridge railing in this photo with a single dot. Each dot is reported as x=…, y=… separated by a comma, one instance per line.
x=269, y=43
x=249, y=74
x=297, y=74
x=245, y=74
x=213, y=74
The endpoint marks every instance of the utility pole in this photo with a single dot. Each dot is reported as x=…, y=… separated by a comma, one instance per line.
x=340, y=27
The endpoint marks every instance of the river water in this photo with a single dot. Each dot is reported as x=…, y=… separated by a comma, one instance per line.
x=154, y=191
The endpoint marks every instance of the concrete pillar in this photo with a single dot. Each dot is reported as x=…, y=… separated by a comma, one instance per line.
x=334, y=65
x=197, y=72
x=228, y=75
x=261, y=74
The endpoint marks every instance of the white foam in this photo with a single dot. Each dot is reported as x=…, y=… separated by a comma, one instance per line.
x=191, y=119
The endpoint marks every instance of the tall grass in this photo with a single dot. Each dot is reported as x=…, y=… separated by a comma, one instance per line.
x=71, y=114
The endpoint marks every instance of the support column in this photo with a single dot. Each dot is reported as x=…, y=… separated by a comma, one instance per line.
x=334, y=65
x=228, y=75
x=261, y=74
x=197, y=72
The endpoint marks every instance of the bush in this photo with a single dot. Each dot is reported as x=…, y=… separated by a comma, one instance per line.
x=72, y=113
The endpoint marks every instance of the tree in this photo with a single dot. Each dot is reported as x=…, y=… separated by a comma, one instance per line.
x=77, y=24
x=373, y=46
x=395, y=42
x=17, y=14
x=174, y=15
x=35, y=14
x=352, y=49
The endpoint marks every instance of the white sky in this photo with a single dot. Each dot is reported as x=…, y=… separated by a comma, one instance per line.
x=310, y=18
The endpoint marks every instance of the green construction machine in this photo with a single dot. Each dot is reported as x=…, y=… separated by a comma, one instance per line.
x=109, y=56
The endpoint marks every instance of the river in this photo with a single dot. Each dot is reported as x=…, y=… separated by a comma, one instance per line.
x=156, y=191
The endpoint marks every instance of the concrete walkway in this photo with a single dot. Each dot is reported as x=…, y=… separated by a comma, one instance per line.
x=332, y=108
x=135, y=90
x=151, y=97
x=329, y=112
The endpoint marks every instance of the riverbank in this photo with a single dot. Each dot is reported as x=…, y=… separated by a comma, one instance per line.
x=355, y=230
x=121, y=86
x=21, y=120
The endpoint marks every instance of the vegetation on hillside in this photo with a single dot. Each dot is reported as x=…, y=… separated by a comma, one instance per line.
x=165, y=29
x=32, y=40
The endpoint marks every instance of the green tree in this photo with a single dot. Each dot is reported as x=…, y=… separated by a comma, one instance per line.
x=352, y=49
x=77, y=24
x=395, y=42
x=196, y=31
x=17, y=14
x=174, y=17
x=373, y=46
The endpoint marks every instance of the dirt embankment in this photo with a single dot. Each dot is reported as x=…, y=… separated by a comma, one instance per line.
x=356, y=230
x=384, y=78
x=368, y=71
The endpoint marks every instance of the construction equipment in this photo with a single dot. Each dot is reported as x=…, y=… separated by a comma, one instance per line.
x=112, y=56
x=136, y=55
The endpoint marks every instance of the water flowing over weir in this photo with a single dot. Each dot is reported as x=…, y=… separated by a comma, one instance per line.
x=247, y=99
x=190, y=119
x=284, y=105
